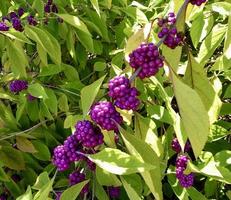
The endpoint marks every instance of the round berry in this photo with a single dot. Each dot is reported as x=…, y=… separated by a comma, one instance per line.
x=18, y=85
x=105, y=115
x=88, y=134
x=114, y=192
x=3, y=27
x=60, y=158
x=31, y=20
x=72, y=147
x=20, y=12
x=146, y=57
x=77, y=177
x=197, y=2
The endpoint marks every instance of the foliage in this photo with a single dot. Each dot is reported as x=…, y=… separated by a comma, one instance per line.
x=68, y=57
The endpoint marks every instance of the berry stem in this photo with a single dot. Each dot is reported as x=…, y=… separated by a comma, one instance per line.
x=135, y=74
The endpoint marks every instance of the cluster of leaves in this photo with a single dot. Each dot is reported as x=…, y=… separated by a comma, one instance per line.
x=67, y=64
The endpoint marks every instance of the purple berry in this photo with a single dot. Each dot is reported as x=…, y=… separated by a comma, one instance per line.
x=72, y=147
x=13, y=15
x=18, y=85
x=31, y=20
x=3, y=196
x=197, y=2
x=118, y=86
x=77, y=177
x=58, y=195
x=54, y=8
x=47, y=8
x=3, y=27
x=105, y=115
x=60, y=158
x=125, y=96
x=16, y=22
x=50, y=2
x=147, y=57
x=89, y=135
x=20, y=12
x=185, y=180
x=177, y=148
x=182, y=161
x=114, y=192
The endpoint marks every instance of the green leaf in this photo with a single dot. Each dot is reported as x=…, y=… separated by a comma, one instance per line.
x=76, y=22
x=212, y=170
x=195, y=195
x=15, y=35
x=82, y=32
x=3, y=175
x=42, y=179
x=42, y=54
x=118, y=162
x=73, y=192
x=27, y=195
x=131, y=192
x=95, y=5
x=51, y=102
x=136, y=182
x=89, y=93
x=194, y=116
x=196, y=78
x=144, y=128
x=223, y=158
x=100, y=192
x=105, y=178
x=100, y=66
x=43, y=152
x=38, y=5
x=17, y=58
x=37, y=90
x=142, y=150
x=223, y=8
x=13, y=188
x=50, y=70
x=25, y=145
x=136, y=39
x=211, y=42
x=201, y=26
x=46, y=41
x=12, y=158
x=63, y=103
x=44, y=192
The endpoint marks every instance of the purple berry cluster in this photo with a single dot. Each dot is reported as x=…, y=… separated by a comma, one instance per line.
x=146, y=58
x=14, y=18
x=88, y=134
x=18, y=85
x=3, y=27
x=172, y=38
x=60, y=158
x=197, y=2
x=72, y=147
x=124, y=95
x=77, y=177
x=177, y=148
x=185, y=180
x=105, y=115
x=50, y=7
x=114, y=192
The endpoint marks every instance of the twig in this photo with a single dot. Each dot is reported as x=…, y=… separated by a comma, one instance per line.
x=25, y=131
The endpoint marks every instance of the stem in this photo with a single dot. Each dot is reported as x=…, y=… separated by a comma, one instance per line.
x=135, y=74
x=65, y=90
x=182, y=8
x=21, y=132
